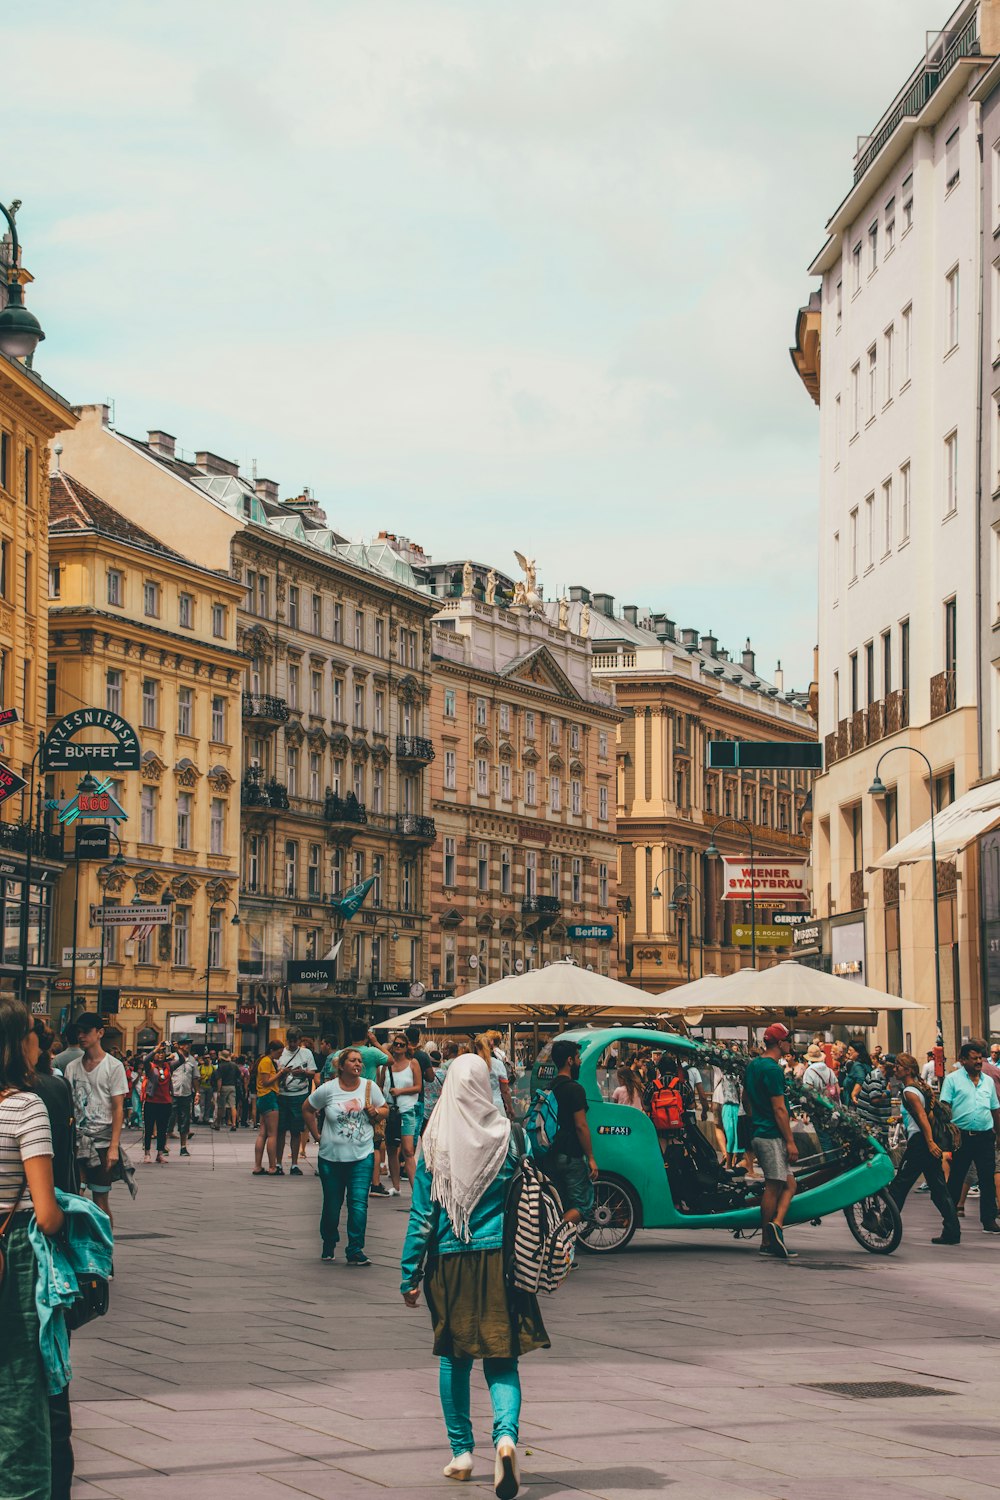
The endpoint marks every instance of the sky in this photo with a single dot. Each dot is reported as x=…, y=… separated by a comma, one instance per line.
x=519, y=274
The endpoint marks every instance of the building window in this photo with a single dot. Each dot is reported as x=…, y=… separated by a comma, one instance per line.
x=338, y=624
x=555, y=875
x=338, y=700
x=577, y=879
x=951, y=285
x=50, y=688
x=872, y=381
x=378, y=870
x=378, y=789
x=147, y=815
x=316, y=693
x=359, y=630
x=870, y=673
x=529, y=726
x=602, y=804
x=952, y=170
x=530, y=788
x=359, y=705
x=185, y=611
x=315, y=774
x=531, y=872
x=184, y=802
x=888, y=349
x=482, y=776
x=481, y=712
x=5, y=461
x=951, y=474
x=855, y=400
x=856, y=269
x=555, y=794
x=602, y=886
x=450, y=772
x=317, y=614
x=950, y=636
x=504, y=721
x=886, y=517
x=380, y=711
x=294, y=675
x=904, y=504
x=292, y=771
x=483, y=868
x=182, y=936
x=890, y=226
x=836, y=567
x=448, y=877
x=840, y=303
x=336, y=872
x=886, y=663
x=55, y=575
x=217, y=826
x=449, y=703
x=215, y=916
x=406, y=885
x=113, y=691
x=576, y=796
x=505, y=872
x=219, y=621
x=555, y=732
x=602, y=744
x=291, y=867
x=379, y=636
x=505, y=782
x=907, y=196
x=293, y=606
x=151, y=599
x=449, y=960
x=337, y=785
x=185, y=710
x=854, y=544
x=150, y=695
x=116, y=587
x=853, y=663
x=907, y=350
x=218, y=719
x=873, y=247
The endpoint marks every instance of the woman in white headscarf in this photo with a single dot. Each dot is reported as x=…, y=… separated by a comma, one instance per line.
x=454, y=1245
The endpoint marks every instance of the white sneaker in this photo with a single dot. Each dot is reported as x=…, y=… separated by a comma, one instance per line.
x=459, y=1467
x=506, y=1474
x=392, y=1192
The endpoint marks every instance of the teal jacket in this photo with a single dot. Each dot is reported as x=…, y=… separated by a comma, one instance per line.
x=85, y=1248
x=430, y=1232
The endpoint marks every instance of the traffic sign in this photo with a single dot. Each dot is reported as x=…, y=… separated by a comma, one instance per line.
x=765, y=755
x=10, y=783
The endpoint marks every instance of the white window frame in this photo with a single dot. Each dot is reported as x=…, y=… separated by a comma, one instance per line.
x=450, y=771
x=952, y=293
x=449, y=863
x=904, y=504
x=951, y=474
x=887, y=516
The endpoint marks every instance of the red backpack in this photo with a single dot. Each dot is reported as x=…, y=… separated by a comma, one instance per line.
x=666, y=1105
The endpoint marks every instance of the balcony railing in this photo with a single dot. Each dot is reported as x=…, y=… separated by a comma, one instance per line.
x=857, y=889
x=943, y=698
x=44, y=845
x=344, y=809
x=412, y=826
x=869, y=725
x=541, y=906
x=256, y=792
x=265, y=708
x=414, y=747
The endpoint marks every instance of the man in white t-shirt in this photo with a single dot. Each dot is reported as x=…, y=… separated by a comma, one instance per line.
x=299, y=1066
x=185, y=1079
x=352, y=1105
x=99, y=1088
x=929, y=1072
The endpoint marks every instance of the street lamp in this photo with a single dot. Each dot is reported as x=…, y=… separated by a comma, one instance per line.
x=878, y=789
x=713, y=853
x=234, y=921
x=20, y=330
x=116, y=864
x=683, y=884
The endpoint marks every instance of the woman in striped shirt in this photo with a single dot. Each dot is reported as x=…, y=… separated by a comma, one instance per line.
x=26, y=1187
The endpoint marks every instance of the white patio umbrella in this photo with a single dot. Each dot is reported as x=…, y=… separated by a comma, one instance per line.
x=560, y=991
x=786, y=990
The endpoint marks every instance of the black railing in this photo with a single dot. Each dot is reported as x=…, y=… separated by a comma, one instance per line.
x=344, y=809
x=414, y=747
x=412, y=826
x=19, y=835
x=256, y=792
x=265, y=706
x=541, y=906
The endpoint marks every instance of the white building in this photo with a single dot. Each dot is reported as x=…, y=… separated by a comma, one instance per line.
x=900, y=579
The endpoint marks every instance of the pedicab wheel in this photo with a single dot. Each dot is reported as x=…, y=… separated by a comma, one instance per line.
x=614, y=1220
x=875, y=1223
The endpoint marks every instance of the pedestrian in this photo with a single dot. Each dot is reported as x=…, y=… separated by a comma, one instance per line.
x=206, y=1089
x=499, y=1081
x=922, y=1156
x=352, y=1106
x=243, y=1091
x=853, y=1074
x=70, y=1051
x=975, y=1111
x=158, y=1103
x=227, y=1081
x=27, y=1188
x=184, y=1077
x=928, y=1072
x=434, y=1085
x=405, y=1081
x=419, y=1052
x=267, y=1085
x=99, y=1090
x=874, y=1103
x=629, y=1091
x=375, y=1064
x=728, y=1098
x=771, y=1137
x=454, y=1248
x=570, y=1159
x=819, y=1075
x=297, y=1066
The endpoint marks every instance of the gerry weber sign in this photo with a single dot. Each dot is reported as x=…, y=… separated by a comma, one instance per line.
x=767, y=879
x=63, y=752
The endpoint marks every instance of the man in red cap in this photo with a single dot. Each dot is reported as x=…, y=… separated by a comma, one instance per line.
x=771, y=1138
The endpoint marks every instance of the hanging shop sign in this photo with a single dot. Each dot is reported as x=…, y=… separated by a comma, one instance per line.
x=601, y=932
x=389, y=989
x=766, y=935
x=63, y=752
x=246, y=1015
x=93, y=841
x=129, y=916
x=309, y=971
x=807, y=937
x=10, y=783
x=780, y=879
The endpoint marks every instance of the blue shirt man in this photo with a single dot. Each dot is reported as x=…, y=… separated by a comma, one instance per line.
x=973, y=1098
x=975, y=1110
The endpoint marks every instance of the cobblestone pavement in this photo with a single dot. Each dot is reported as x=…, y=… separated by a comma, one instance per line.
x=235, y=1366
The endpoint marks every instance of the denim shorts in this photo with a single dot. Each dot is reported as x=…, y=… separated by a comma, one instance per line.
x=571, y=1176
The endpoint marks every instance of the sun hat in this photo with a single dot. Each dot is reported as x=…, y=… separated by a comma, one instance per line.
x=815, y=1053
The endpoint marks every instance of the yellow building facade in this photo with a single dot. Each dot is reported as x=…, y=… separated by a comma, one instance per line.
x=140, y=630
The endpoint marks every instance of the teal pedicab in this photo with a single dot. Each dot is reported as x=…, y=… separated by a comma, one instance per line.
x=840, y=1168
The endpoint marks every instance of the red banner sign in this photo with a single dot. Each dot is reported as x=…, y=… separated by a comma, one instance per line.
x=767, y=879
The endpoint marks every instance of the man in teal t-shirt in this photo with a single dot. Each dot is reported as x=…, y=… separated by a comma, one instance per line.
x=360, y=1040
x=771, y=1138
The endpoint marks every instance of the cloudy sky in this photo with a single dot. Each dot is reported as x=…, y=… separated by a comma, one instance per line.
x=492, y=275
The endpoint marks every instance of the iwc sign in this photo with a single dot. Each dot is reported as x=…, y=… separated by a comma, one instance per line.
x=63, y=752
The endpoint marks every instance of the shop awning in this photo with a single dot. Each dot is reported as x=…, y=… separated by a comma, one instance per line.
x=957, y=826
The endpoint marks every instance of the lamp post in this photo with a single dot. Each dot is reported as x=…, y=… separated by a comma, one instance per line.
x=681, y=897
x=20, y=330
x=116, y=864
x=713, y=853
x=234, y=921
x=878, y=789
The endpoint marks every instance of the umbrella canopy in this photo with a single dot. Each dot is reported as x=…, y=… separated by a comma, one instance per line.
x=786, y=989
x=560, y=991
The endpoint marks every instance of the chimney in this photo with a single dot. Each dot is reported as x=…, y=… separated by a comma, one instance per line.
x=709, y=645
x=689, y=638
x=266, y=489
x=211, y=463
x=631, y=613
x=779, y=678
x=579, y=595
x=162, y=444
x=749, y=658
x=605, y=605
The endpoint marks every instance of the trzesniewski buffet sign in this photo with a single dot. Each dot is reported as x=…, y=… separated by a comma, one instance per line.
x=64, y=752
x=765, y=879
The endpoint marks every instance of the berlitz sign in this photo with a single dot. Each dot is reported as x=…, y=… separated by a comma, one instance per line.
x=766, y=879
x=64, y=753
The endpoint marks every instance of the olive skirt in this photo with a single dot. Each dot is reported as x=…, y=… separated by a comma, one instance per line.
x=25, y=1452
x=475, y=1314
